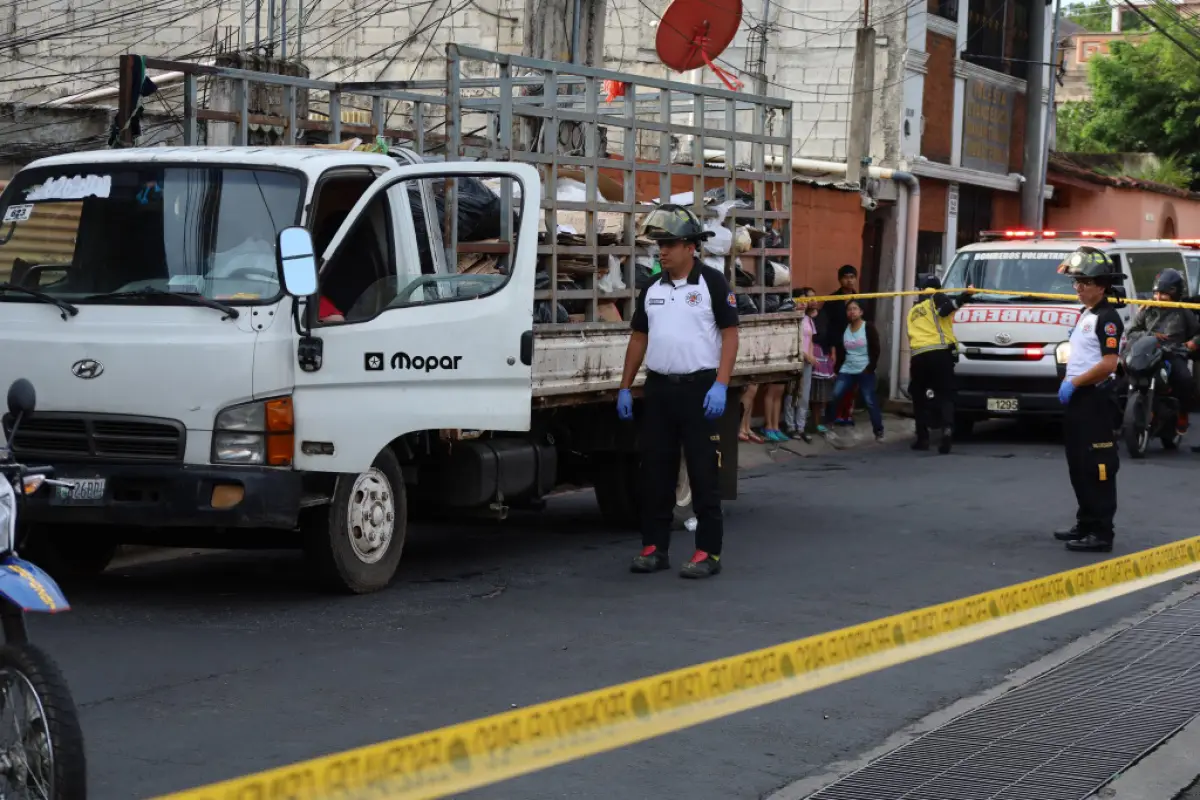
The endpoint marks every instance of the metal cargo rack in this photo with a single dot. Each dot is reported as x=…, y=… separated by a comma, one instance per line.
x=494, y=106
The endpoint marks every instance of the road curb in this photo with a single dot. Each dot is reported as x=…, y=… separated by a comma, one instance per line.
x=1162, y=774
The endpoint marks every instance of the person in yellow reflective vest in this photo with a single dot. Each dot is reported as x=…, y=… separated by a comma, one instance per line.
x=934, y=353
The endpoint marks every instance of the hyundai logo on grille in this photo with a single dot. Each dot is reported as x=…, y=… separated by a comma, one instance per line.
x=87, y=369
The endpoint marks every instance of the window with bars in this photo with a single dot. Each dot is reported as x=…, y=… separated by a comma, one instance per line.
x=998, y=35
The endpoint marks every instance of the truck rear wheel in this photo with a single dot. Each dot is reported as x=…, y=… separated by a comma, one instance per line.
x=617, y=490
x=356, y=545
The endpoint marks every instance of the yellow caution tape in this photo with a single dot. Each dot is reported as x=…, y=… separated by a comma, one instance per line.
x=484, y=751
x=1133, y=301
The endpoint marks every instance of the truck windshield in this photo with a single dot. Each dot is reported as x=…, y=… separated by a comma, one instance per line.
x=1010, y=271
x=81, y=232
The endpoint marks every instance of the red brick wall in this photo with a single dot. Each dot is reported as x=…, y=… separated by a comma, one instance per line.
x=933, y=205
x=938, y=105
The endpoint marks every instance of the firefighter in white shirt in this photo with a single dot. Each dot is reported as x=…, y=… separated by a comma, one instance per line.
x=1089, y=393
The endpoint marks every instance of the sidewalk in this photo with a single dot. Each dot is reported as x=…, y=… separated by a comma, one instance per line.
x=897, y=427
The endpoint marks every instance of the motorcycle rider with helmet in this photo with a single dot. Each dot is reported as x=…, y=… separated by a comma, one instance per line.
x=1170, y=326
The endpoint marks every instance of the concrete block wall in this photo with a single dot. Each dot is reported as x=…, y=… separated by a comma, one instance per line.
x=62, y=47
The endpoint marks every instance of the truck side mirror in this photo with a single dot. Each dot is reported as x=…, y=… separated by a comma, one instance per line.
x=296, y=262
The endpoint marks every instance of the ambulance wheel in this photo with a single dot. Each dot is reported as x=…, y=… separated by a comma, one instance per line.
x=617, y=490
x=355, y=545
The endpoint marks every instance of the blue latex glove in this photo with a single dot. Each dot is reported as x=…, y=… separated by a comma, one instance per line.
x=714, y=401
x=1065, y=391
x=625, y=404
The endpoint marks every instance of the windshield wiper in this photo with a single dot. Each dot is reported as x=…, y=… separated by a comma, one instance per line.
x=63, y=306
x=149, y=291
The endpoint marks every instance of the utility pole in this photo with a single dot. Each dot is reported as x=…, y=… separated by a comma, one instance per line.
x=547, y=37
x=858, y=145
x=760, y=76
x=1032, y=190
x=1051, y=115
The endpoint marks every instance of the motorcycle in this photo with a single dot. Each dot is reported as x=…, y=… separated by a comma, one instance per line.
x=45, y=757
x=1150, y=407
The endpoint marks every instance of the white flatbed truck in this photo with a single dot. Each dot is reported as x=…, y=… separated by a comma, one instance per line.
x=194, y=401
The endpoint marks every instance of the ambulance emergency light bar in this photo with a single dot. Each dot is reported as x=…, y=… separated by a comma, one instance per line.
x=1185, y=242
x=1014, y=235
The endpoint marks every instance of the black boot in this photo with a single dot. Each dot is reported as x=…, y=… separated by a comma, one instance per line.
x=1092, y=543
x=947, y=440
x=922, y=442
x=1071, y=534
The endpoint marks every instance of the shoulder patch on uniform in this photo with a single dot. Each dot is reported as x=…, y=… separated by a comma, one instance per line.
x=1111, y=342
x=1111, y=329
x=731, y=299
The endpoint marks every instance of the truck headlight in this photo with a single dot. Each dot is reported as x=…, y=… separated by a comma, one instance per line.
x=257, y=434
x=1062, y=353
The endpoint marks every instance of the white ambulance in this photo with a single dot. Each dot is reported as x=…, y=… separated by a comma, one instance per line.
x=1012, y=349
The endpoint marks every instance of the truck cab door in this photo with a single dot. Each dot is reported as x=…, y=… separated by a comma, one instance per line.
x=424, y=347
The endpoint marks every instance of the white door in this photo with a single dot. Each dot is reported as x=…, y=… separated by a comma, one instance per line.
x=419, y=350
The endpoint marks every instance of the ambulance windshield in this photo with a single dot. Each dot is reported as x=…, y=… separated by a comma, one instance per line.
x=1033, y=271
x=104, y=233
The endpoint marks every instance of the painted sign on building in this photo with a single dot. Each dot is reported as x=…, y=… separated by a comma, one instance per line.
x=987, y=126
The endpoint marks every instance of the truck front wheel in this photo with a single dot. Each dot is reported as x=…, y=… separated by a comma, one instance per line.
x=68, y=553
x=356, y=545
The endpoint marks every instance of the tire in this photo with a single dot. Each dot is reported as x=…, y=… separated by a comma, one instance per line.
x=68, y=553
x=1134, y=429
x=345, y=556
x=617, y=491
x=59, y=722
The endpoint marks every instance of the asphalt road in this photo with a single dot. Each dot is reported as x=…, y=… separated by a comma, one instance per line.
x=210, y=667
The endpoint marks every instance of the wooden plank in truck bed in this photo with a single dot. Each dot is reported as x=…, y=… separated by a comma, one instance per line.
x=573, y=363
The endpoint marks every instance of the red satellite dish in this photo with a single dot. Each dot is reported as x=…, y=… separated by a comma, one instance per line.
x=693, y=32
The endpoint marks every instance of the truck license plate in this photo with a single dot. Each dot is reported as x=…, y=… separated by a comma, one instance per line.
x=85, y=492
x=1003, y=404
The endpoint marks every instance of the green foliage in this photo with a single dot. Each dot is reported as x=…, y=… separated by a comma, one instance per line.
x=1145, y=99
x=1169, y=170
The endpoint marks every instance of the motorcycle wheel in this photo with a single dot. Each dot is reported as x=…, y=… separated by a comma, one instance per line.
x=47, y=761
x=1136, y=428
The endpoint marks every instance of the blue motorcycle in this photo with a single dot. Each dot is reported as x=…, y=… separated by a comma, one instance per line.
x=41, y=742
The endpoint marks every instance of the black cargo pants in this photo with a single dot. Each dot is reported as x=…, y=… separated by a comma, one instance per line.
x=673, y=416
x=1092, y=458
x=932, y=372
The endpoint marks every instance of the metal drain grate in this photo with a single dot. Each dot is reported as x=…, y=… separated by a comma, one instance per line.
x=1061, y=736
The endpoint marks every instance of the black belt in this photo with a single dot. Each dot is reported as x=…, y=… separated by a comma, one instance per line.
x=684, y=377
